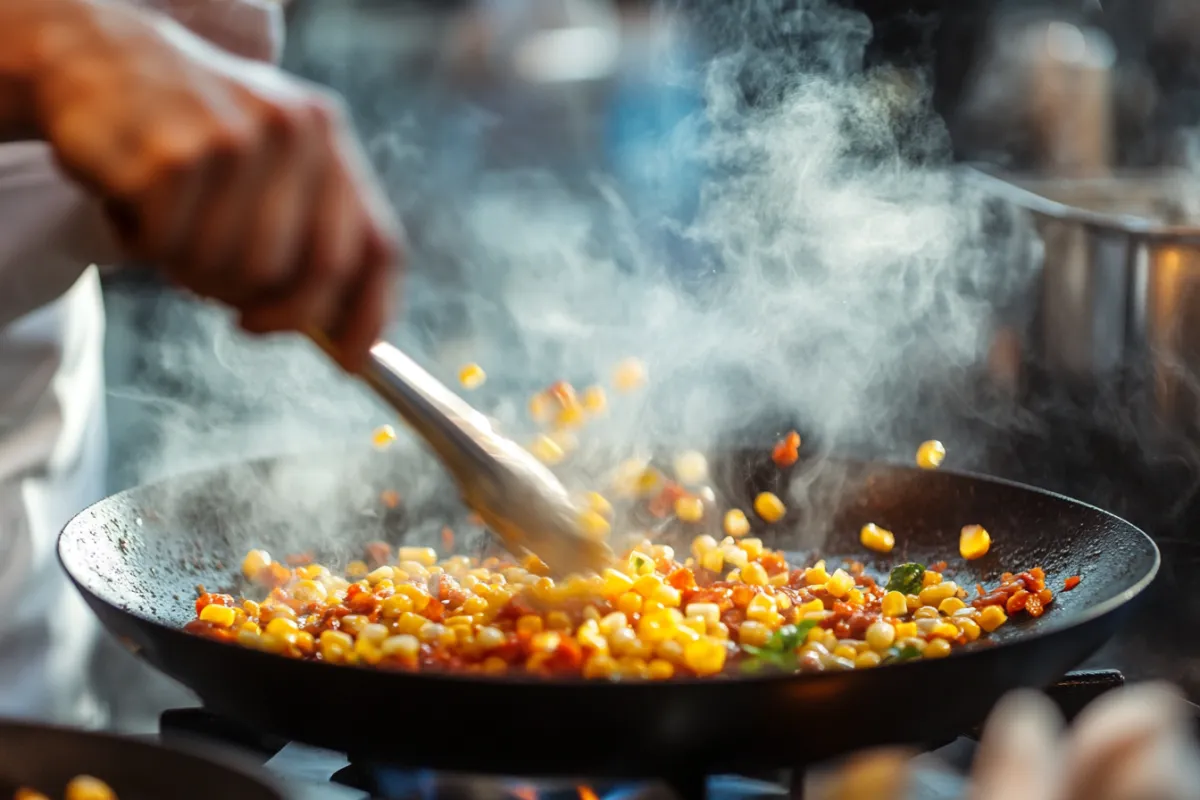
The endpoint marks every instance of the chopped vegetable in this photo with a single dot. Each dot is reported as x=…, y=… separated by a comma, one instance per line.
x=769, y=507
x=974, y=542
x=1071, y=582
x=906, y=578
x=787, y=451
x=779, y=651
x=472, y=376
x=876, y=538
x=931, y=454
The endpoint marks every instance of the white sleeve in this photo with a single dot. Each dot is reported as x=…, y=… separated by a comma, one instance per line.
x=50, y=232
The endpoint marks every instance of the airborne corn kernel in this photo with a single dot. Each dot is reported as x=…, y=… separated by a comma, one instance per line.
x=876, y=538
x=974, y=542
x=931, y=454
x=769, y=507
x=472, y=376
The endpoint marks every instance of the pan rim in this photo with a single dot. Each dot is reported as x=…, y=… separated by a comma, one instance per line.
x=204, y=753
x=1082, y=618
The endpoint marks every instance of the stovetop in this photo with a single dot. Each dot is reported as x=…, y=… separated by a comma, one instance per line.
x=313, y=774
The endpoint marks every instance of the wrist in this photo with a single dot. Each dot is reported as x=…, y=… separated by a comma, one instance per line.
x=34, y=36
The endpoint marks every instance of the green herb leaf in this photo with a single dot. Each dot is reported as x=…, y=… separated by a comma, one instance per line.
x=780, y=650
x=898, y=654
x=906, y=578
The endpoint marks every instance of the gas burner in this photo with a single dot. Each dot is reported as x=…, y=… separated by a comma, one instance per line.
x=323, y=775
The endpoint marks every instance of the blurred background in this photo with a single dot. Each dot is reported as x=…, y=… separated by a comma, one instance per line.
x=530, y=143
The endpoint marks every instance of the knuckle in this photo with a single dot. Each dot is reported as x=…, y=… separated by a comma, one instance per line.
x=325, y=110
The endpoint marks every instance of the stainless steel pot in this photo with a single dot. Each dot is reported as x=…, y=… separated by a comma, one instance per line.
x=1117, y=297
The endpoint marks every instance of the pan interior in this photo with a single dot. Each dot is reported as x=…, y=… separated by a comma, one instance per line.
x=146, y=550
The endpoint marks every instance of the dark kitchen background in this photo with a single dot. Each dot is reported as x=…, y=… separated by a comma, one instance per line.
x=446, y=91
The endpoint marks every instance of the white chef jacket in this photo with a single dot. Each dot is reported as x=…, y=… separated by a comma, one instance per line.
x=52, y=427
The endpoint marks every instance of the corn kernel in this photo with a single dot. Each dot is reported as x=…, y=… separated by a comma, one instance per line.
x=647, y=584
x=600, y=666
x=876, y=538
x=668, y=596
x=539, y=407
x=383, y=436
x=222, y=616
x=735, y=555
x=845, y=651
x=558, y=621
x=709, y=612
x=85, y=787
x=839, y=584
x=402, y=646
x=703, y=544
x=356, y=570
x=761, y=608
x=593, y=525
x=969, y=627
x=614, y=583
x=599, y=503
x=660, y=670
x=937, y=648
x=905, y=630
x=880, y=635
x=689, y=509
x=754, y=634
x=855, y=597
x=529, y=624
x=931, y=578
x=472, y=376
x=282, y=627
x=254, y=563
x=752, y=547
x=950, y=605
x=810, y=607
x=944, y=630
x=816, y=575
x=594, y=400
x=867, y=659
x=974, y=542
x=383, y=573
x=769, y=507
x=713, y=560
x=991, y=618
x=547, y=450
x=754, y=574
x=629, y=603
x=925, y=612
x=931, y=454
x=570, y=416
x=691, y=468
x=932, y=595
x=630, y=374
x=736, y=524
x=704, y=656
x=425, y=556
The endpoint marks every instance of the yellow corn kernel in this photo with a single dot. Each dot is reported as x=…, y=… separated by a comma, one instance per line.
x=931, y=454
x=689, y=509
x=811, y=607
x=615, y=583
x=633, y=667
x=709, y=612
x=218, y=615
x=600, y=665
x=925, y=612
x=356, y=570
x=558, y=621
x=855, y=597
x=991, y=618
x=950, y=605
x=931, y=578
x=368, y=652
x=702, y=545
x=867, y=659
x=769, y=507
x=593, y=525
x=816, y=575
x=754, y=634
x=425, y=556
x=713, y=560
x=85, y=787
x=254, y=563
x=968, y=627
x=530, y=624
x=402, y=646
x=647, y=584
x=283, y=627
x=736, y=524
x=640, y=564
x=880, y=635
x=691, y=468
x=944, y=630
x=594, y=400
x=932, y=595
x=570, y=416
x=974, y=542
x=648, y=482
x=752, y=547
x=845, y=651
x=704, y=656
x=472, y=376
x=754, y=574
x=668, y=596
x=937, y=648
x=660, y=670
x=613, y=622
x=384, y=573
x=599, y=503
x=876, y=538
x=761, y=608
x=373, y=632
x=839, y=584
x=629, y=603
x=630, y=374
x=547, y=450
x=905, y=630
x=308, y=591
x=383, y=436
x=735, y=556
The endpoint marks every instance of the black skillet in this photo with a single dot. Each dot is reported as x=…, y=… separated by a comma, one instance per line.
x=138, y=556
x=46, y=758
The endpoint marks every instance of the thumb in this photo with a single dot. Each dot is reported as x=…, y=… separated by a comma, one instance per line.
x=1018, y=753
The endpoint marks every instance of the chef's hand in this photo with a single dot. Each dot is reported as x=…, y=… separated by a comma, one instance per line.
x=248, y=28
x=1131, y=744
x=245, y=185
